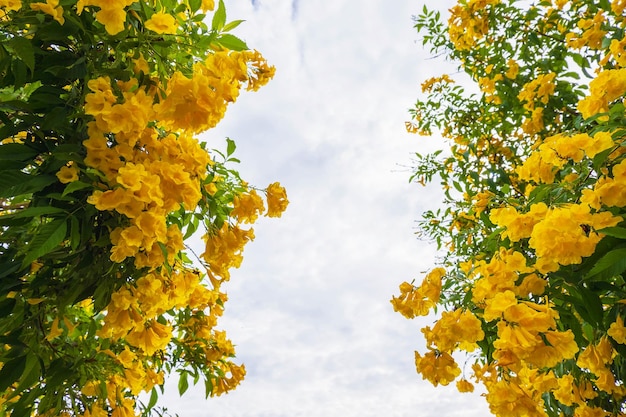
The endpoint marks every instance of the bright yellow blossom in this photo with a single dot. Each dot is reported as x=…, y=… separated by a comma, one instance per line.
x=162, y=23
x=52, y=8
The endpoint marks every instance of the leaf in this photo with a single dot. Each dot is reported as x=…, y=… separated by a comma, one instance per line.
x=183, y=383
x=35, y=212
x=232, y=25
x=230, y=146
x=154, y=396
x=611, y=264
x=31, y=374
x=194, y=5
x=231, y=42
x=219, y=18
x=48, y=237
x=74, y=233
x=24, y=50
x=16, y=152
x=11, y=372
x=208, y=387
x=619, y=232
x=75, y=186
x=14, y=183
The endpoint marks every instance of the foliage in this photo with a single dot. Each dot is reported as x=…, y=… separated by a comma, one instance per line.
x=102, y=179
x=532, y=282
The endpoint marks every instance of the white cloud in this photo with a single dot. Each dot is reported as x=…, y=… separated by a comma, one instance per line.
x=309, y=309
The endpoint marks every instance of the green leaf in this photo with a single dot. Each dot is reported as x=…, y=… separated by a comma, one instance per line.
x=208, y=387
x=75, y=186
x=154, y=396
x=232, y=25
x=74, y=233
x=31, y=374
x=16, y=152
x=11, y=372
x=183, y=383
x=24, y=50
x=230, y=146
x=48, y=238
x=611, y=264
x=194, y=5
x=231, y=42
x=619, y=232
x=219, y=18
x=34, y=212
x=14, y=183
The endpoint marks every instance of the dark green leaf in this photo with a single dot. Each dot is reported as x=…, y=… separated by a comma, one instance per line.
x=74, y=233
x=32, y=372
x=6, y=306
x=611, y=264
x=24, y=50
x=48, y=238
x=14, y=183
x=16, y=152
x=35, y=212
x=11, y=372
x=75, y=186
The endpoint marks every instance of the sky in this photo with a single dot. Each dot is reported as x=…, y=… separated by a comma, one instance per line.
x=309, y=308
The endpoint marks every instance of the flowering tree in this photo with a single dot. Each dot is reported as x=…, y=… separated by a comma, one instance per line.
x=531, y=286
x=102, y=179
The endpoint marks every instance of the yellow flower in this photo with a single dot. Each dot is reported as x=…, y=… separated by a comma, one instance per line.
x=437, y=367
x=67, y=174
x=163, y=23
x=617, y=331
x=52, y=8
x=276, y=200
x=151, y=338
x=14, y=5
x=113, y=16
x=596, y=357
x=457, y=329
x=247, y=206
x=55, y=331
x=414, y=301
x=498, y=304
x=604, y=89
x=207, y=5
x=463, y=385
x=513, y=70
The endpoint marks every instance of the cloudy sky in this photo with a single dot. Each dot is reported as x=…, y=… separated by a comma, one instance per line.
x=309, y=309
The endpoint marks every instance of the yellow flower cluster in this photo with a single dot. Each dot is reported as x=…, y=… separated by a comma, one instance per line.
x=199, y=103
x=608, y=86
x=609, y=191
x=428, y=85
x=540, y=89
x=577, y=229
x=469, y=22
x=558, y=150
x=224, y=249
x=590, y=34
x=414, y=301
x=437, y=367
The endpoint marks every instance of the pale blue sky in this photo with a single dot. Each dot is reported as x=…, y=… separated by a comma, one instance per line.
x=309, y=309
